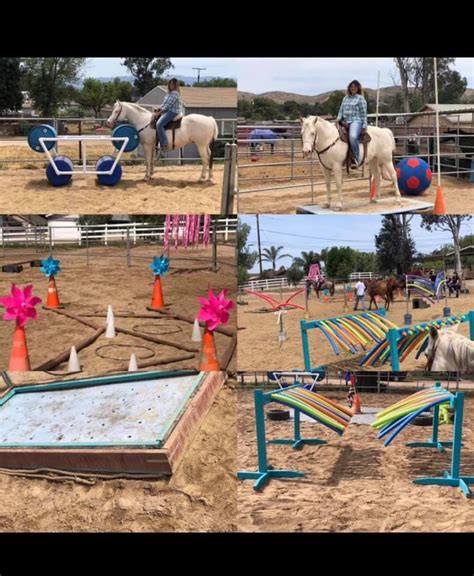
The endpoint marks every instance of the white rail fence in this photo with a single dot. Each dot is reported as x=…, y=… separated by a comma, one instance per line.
x=105, y=234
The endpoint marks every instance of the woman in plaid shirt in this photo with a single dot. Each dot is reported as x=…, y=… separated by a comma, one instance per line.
x=170, y=108
x=353, y=111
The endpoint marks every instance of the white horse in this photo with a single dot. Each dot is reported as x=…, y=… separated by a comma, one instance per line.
x=323, y=137
x=195, y=129
x=449, y=351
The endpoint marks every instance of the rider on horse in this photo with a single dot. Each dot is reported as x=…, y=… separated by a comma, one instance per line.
x=170, y=109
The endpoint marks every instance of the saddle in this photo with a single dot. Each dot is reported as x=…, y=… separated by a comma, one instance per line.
x=173, y=125
x=364, y=139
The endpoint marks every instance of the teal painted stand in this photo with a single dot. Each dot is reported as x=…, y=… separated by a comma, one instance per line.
x=265, y=472
x=452, y=476
x=297, y=442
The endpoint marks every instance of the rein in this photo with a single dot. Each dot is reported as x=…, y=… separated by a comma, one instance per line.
x=431, y=357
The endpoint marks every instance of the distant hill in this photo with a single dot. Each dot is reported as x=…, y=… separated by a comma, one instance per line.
x=281, y=97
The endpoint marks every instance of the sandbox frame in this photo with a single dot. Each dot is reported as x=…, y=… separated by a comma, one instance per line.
x=160, y=460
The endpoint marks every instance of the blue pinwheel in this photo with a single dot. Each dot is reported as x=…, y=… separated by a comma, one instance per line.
x=160, y=265
x=50, y=266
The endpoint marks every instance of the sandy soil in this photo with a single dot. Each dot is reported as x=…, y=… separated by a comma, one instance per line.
x=259, y=349
x=352, y=483
x=172, y=189
x=107, y=280
x=200, y=496
x=457, y=192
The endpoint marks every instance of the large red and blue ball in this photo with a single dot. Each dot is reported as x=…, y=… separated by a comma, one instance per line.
x=414, y=176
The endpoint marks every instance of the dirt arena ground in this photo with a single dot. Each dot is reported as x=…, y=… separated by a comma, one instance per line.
x=353, y=483
x=457, y=192
x=259, y=349
x=108, y=280
x=199, y=497
x=173, y=189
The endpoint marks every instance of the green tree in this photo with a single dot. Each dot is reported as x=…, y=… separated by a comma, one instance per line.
x=147, y=72
x=294, y=274
x=95, y=95
x=11, y=97
x=121, y=90
x=245, y=258
x=366, y=262
x=451, y=223
x=341, y=261
x=291, y=109
x=48, y=81
x=306, y=259
x=395, y=247
x=332, y=104
x=272, y=255
x=217, y=83
x=245, y=108
x=466, y=241
x=417, y=74
x=266, y=109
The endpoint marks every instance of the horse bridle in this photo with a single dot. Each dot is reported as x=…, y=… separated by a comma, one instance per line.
x=120, y=112
x=319, y=152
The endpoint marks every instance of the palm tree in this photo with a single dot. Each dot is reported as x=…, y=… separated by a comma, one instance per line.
x=272, y=255
x=306, y=259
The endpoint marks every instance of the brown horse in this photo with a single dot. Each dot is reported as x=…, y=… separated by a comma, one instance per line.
x=320, y=285
x=382, y=288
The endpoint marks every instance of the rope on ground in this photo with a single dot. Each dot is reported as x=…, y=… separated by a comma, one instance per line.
x=150, y=354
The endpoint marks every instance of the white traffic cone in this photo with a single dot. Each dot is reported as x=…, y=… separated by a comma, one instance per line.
x=110, y=314
x=73, y=365
x=133, y=366
x=110, y=332
x=197, y=334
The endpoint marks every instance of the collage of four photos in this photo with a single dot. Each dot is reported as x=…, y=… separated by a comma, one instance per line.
x=236, y=290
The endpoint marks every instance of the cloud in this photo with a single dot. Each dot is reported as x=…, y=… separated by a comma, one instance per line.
x=315, y=75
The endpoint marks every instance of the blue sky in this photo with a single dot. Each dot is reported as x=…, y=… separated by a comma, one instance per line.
x=223, y=67
x=298, y=233
x=312, y=76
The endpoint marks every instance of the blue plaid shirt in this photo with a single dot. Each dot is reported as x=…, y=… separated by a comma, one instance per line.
x=353, y=109
x=172, y=103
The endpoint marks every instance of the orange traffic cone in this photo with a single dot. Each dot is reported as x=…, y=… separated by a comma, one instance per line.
x=356, y=408
x=157, y=301
x=19, y=360
x=440, y=206
x=373, y=190
x=52, y=301
x=208, y=362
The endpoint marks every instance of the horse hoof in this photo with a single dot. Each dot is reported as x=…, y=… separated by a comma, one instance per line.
x=326, y=205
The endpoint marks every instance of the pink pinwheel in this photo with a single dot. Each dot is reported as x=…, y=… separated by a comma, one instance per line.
x=215, y=311
x=20, y=306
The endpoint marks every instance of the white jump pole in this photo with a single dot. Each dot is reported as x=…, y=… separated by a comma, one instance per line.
x=439, y=208
x=378, y=99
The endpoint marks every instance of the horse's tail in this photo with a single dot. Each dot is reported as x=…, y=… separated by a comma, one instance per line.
x=212, y=144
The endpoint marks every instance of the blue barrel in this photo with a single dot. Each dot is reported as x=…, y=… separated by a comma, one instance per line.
x=41, y=131
x=62, y=163
x=123, y=131
x=105, y=163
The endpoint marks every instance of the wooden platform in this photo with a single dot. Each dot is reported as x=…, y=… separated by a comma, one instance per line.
x=383, y=207
x=159, y=456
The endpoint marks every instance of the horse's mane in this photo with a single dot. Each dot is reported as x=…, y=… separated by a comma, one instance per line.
x=137, y=106
x=458, y=350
